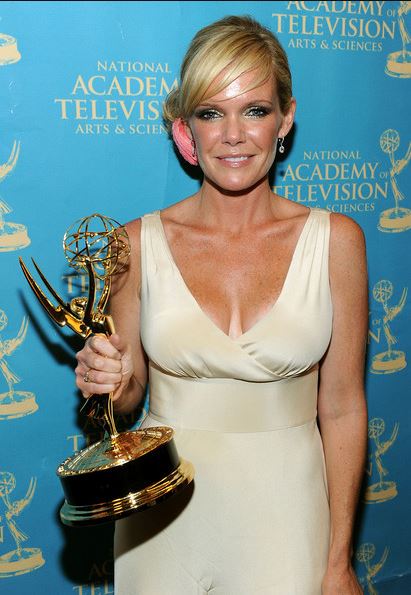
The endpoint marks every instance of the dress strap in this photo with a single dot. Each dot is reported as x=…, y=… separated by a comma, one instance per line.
x=309, y=271
x=153, y=254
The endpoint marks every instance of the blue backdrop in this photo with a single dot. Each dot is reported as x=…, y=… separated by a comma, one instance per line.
x=81, y=88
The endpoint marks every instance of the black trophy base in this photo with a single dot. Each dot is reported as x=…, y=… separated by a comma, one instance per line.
x=122, y=475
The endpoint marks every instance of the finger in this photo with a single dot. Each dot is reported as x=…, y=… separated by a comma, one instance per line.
x=98, y=353
x=97, y=378
x=91, y=360
x=118, y=343
x=95, y=388
x=103, y=364
x=88, y=376
x=102, y=345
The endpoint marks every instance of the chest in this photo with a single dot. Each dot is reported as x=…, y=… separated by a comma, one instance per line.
x=227, y=270
x=244, y=308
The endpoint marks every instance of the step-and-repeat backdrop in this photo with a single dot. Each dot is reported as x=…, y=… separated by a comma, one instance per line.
x=81, y=89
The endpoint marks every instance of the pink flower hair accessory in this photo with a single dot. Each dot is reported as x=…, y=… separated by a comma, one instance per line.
x=184, y=143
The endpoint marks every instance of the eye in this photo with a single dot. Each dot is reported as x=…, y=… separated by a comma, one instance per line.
x=207, y=114
x=258, y=111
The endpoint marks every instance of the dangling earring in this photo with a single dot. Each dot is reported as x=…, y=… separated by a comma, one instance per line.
x=194, y=150
x=281, y=148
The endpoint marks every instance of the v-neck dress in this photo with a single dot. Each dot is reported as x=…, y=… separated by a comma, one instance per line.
x=256, y=519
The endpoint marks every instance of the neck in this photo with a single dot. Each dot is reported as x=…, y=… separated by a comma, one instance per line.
x=235, y=211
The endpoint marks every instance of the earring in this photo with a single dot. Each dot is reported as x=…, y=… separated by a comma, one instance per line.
x=281, y=148
x=194, y=150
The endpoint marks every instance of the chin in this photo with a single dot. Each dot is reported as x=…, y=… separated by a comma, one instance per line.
x=236, y=185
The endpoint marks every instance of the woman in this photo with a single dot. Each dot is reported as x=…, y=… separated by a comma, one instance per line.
x=249, y=311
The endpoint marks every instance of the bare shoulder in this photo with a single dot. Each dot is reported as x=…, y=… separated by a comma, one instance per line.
x=133, y=229
x=129, y=279
x=346, y=237
x=347, y=252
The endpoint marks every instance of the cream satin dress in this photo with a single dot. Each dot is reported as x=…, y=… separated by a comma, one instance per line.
x=256, y=520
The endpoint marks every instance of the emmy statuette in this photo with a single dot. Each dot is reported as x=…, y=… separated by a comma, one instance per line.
x=399, y=62
x=383, y=489
x=128, y=471
x=396, y=219
x=392, y=360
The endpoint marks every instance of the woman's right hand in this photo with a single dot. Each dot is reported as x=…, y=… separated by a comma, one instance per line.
x=104, y=366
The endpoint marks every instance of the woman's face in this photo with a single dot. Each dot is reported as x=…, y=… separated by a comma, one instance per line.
x=236, y=131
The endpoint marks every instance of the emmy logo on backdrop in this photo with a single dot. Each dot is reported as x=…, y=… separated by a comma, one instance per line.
x=399, y=218
x=12, y=235
x=13, y=403
x=21, y=559
x=382, y=490
x=399, y=63
x=9, y=54
x=391, y=360
x=365, y=554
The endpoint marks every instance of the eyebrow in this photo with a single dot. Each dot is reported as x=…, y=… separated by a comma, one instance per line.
x=248, y=104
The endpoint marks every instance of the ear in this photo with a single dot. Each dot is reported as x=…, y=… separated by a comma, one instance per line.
x=288, y=119
x=183, y=139
x=188, y=130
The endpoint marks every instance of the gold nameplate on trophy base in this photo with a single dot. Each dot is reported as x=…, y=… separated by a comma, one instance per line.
x=125, y=472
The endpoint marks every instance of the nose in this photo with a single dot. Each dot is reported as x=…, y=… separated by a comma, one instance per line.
x=234, y=131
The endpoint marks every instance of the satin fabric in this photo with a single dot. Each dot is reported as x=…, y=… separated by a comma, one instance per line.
x=256, y=520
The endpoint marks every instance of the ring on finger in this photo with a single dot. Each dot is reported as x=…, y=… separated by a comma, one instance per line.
x=86, y=377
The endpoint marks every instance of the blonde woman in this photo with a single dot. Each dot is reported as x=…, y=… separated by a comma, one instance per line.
x=246, y=312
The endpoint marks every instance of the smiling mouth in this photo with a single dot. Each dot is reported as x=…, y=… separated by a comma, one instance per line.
x=236, y=159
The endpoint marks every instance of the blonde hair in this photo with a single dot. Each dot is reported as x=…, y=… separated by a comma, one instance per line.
x=233, y=45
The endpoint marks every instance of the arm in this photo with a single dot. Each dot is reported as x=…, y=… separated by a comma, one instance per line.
x=118, y=364
x=342, y=411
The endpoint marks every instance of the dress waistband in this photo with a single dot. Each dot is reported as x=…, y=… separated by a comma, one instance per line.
x=228, y=405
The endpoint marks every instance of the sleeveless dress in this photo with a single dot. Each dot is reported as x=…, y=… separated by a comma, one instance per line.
x=256, y=519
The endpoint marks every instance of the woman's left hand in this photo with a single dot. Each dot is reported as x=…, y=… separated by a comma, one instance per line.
x=340, y=581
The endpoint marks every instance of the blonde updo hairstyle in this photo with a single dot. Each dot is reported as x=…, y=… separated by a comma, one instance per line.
x=233, y=45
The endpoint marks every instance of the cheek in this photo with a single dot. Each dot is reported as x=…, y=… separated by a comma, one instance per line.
x=265, y=139
x=206, y=137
